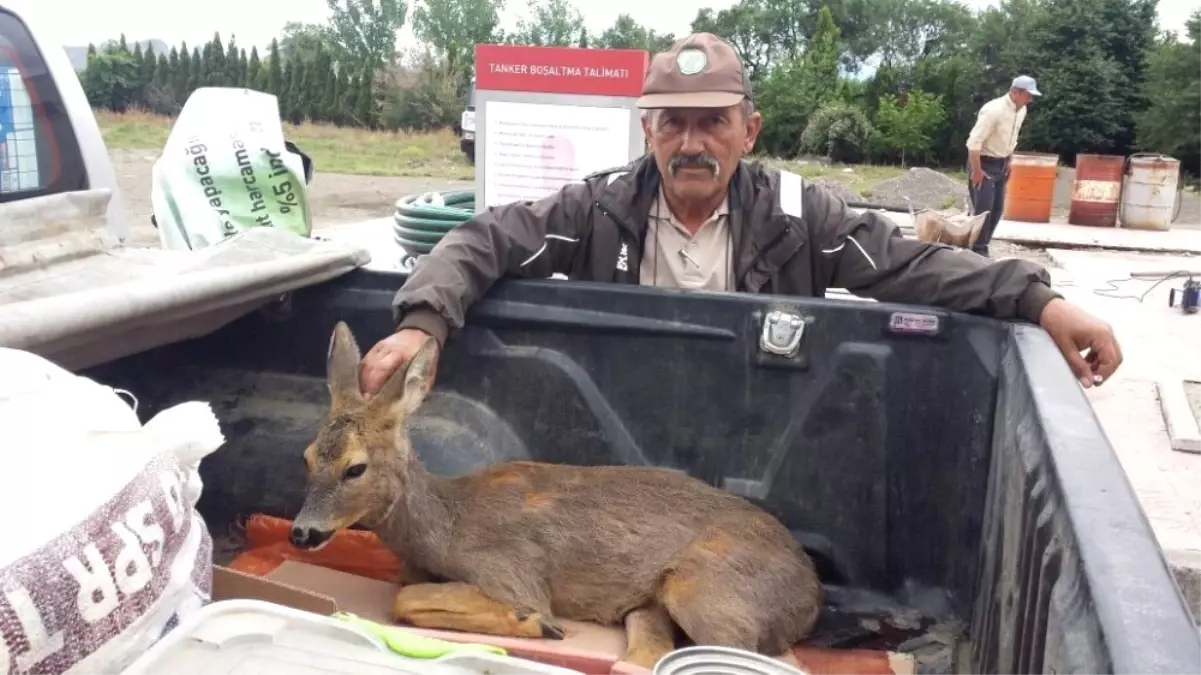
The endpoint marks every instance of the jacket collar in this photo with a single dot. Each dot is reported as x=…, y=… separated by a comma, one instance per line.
x=631, y=190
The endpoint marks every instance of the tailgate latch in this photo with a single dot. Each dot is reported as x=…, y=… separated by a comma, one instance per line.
x=782, y=332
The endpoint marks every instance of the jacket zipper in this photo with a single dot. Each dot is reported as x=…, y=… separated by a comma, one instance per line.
x=628, y=234
x=605, y=210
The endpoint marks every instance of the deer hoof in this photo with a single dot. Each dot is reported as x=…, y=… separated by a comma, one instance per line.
x=549, y=630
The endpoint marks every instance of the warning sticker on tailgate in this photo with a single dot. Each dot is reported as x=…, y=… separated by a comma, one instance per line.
x=907, y=322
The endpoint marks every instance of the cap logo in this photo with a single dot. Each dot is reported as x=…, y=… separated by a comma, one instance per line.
x=691, y=61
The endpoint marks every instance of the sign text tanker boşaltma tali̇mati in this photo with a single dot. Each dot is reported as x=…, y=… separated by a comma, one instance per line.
x=544, y=70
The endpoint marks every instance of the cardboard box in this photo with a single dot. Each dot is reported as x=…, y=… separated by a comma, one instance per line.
x=588, y=648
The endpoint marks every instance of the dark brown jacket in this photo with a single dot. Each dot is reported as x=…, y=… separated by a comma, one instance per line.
x=790, y=237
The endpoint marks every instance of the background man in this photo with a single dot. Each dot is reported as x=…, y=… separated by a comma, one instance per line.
x=989, y=147
x=693, y=214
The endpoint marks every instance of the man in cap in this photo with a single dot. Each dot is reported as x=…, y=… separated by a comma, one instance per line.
x=693, y=214
x=990, y=146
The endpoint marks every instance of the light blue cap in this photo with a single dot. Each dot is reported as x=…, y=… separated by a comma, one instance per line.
x=1026, y=82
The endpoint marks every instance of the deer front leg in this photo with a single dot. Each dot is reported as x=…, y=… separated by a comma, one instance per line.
x=459, y=606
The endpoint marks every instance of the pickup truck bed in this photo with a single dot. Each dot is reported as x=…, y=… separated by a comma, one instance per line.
x=939, y=466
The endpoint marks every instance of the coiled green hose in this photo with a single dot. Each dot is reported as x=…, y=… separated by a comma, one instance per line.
x=422, y=220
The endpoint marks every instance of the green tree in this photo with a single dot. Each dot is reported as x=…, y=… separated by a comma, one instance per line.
x=748, y=26
x=302, y=38
x=196, y=76
x=1170, y=124
x=182, y=73
x=111, y=80
x=799, y=87
x=363, y=32
x=908, y=127
x=626, y=33
x=364, y=104
x=275, y=70
x=319, y=84
x=254, y=70
x=552, y=23
x=235, y=65
x=839, y=131
x=452, y=28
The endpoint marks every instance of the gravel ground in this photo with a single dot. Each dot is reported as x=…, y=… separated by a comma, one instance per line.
x=924, y=188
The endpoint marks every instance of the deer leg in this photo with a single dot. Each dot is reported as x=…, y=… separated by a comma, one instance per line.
x=459, y=606
x=711, y=596
x=650, y=635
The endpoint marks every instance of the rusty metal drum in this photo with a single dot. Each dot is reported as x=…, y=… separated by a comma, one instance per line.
x=1097, y=189
x=1150, y=192
x=1031, y=187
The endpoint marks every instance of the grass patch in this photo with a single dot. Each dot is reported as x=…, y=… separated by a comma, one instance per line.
x=860, y=177
x=430, y=155
x=333, y=149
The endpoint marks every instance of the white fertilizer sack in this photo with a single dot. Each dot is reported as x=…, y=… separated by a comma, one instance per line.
x=103, y=550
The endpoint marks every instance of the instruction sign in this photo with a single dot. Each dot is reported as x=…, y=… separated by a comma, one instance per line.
x=547, y=116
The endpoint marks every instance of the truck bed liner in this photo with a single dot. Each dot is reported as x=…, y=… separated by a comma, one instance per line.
x=959, y=458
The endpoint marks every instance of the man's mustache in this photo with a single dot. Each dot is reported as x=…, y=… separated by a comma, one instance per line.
x=701, y=161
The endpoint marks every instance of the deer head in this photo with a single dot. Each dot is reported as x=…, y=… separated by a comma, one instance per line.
x=358, y=462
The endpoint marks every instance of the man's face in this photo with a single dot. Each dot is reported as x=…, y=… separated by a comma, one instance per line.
x=697, y=149
x=1022, y=98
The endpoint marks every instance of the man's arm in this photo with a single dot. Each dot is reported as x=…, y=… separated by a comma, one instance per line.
x=867, y=255
x=526, y=239
x=985, y=123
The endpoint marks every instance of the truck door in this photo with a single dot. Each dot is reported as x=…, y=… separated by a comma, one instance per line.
x=39, y=154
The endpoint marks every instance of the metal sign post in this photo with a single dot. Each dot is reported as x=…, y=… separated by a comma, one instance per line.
x=547, y=116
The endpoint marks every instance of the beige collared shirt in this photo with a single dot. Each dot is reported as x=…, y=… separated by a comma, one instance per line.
x=997, y=127
x=673, y=258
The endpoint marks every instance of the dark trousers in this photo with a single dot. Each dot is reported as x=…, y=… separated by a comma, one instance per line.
x=990, y=196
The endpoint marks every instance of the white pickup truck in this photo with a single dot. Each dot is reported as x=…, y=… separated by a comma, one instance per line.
x=1007, y=530
x=70, y=290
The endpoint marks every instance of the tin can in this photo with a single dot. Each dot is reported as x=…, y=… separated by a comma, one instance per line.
x=721, y=661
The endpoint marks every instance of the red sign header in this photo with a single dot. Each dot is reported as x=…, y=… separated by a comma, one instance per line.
x=560, y=70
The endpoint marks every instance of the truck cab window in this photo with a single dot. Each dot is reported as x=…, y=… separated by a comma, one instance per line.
x=39, y=154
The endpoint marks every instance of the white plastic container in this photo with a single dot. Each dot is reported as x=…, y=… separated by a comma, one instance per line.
x=705, y=660
x=235, y=637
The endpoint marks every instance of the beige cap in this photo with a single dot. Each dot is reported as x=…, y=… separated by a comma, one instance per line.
x=699, y=71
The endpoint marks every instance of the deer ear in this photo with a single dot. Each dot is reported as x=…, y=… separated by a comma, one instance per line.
x=419, y=377
x=342, y=366
x=403, y=393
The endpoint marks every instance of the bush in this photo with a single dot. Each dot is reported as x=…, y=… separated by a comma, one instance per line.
x=839, y=131
x=422, y=97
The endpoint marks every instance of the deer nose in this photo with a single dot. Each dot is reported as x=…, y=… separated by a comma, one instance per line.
x=308, y=537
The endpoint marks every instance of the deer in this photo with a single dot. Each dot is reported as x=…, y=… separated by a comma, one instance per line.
x=513, y=548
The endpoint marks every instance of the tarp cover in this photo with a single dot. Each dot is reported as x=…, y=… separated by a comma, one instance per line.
x=70, y=293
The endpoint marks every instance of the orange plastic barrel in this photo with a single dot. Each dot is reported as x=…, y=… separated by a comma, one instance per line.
x=1096, y=191
x=1031, y=187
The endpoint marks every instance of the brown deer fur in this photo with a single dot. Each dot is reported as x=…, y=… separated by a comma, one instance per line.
x=524, y=544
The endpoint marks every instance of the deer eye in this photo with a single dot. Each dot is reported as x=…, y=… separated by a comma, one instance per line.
x=354, y=471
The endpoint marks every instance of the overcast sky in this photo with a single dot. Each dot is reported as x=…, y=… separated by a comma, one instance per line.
x=255, y=23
